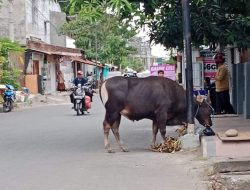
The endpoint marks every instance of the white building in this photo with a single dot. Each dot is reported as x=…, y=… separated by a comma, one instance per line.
x=35, y=25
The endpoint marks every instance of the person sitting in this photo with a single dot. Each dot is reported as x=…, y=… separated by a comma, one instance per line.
x=78, y=80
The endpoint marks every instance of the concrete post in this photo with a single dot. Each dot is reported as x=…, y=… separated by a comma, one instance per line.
x=246, y=105
x=234, y=87
x=240, y=88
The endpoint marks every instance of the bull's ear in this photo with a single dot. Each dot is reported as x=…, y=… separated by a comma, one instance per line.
x=199, y=99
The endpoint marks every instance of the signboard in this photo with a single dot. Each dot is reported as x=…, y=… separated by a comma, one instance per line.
x=159, y=60
x=209, y=64
x=169, y=70
x=209, y=67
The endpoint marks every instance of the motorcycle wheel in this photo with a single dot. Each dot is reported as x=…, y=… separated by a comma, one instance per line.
x=82, y=112
x=7, y=106
x=78, y=109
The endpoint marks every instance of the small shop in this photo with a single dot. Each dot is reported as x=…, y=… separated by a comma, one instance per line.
x=43, y=63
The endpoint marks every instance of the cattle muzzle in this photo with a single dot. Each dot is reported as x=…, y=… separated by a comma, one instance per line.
x=206, y=125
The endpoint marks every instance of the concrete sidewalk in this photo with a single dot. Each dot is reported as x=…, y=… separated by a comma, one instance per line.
x=219, y=146
x=57, y=98
x=226, y=122
x=230, y=158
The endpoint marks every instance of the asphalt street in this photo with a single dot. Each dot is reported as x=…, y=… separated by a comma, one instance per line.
x=50, y=148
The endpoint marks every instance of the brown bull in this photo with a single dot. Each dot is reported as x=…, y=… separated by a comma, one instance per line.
x=159, y=99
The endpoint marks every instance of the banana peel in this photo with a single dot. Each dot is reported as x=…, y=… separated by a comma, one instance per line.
x=171, y=144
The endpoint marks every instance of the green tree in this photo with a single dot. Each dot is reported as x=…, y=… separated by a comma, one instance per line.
x=9, y=74
x=102, y=36
x=133, y=63
x=212, y=21
x=72, y=7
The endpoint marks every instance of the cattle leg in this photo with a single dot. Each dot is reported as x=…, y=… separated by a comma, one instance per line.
x=163, y=132
x=154, y=132
x=115, y=130
x=106, y=129
x=161, y=124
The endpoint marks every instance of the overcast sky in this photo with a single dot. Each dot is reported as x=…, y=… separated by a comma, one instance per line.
x=157, y=50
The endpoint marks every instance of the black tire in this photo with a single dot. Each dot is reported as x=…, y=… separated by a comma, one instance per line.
x=78, y=109
x=7, y=106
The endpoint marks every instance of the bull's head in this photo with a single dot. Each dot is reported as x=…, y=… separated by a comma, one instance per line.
x=203, y=113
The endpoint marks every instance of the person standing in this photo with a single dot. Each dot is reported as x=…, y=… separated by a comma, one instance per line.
x=60, y=80
x=223, y=104
x=90, y=77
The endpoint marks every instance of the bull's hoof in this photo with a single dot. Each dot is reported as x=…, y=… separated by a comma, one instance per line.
x=125, y=150
x=152, y=146
x=111, y=151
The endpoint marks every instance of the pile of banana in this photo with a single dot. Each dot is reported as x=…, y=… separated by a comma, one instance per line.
x=170, y=145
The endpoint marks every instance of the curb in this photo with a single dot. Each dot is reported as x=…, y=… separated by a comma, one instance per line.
x=232, y=165
x=230, y=174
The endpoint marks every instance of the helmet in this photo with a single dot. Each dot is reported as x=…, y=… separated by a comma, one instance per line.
x=79, y=72
x=220, y=56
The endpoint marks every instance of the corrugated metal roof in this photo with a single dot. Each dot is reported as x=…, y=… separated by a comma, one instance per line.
x=85, y=61
x=49, y=49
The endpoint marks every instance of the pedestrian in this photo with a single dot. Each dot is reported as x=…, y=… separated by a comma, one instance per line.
x=60, y=80
x=223, y=104
x=90, y=77
x=161, y=73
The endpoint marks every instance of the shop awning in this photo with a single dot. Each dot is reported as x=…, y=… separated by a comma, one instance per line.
x=86, y=61
x=49, y=49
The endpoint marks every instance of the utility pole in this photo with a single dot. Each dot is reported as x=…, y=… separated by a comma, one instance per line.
x=190, y=140
x=189, y=68
x=11, y=22
x=96, y=56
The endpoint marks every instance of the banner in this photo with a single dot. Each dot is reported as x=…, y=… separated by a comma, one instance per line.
x=209, y=64
x=169, y=70
x=209, y=67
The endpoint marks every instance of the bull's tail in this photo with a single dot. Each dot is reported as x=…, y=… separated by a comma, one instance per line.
x=103, y=93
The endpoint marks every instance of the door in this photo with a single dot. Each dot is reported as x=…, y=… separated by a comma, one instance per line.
x=35, y=67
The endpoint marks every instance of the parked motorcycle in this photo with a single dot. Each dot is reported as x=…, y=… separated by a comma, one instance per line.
x=9, y=97
x=81, y=101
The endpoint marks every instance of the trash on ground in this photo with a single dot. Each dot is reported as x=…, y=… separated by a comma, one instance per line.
x=170, y=145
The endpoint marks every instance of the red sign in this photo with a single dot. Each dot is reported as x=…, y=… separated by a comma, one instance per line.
x=209, y=67
x=169, y=70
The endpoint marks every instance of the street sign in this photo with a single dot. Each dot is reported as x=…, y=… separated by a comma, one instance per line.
x=159, y=60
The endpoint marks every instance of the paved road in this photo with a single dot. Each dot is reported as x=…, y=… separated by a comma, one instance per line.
x=50, y=148
x=114, y=73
